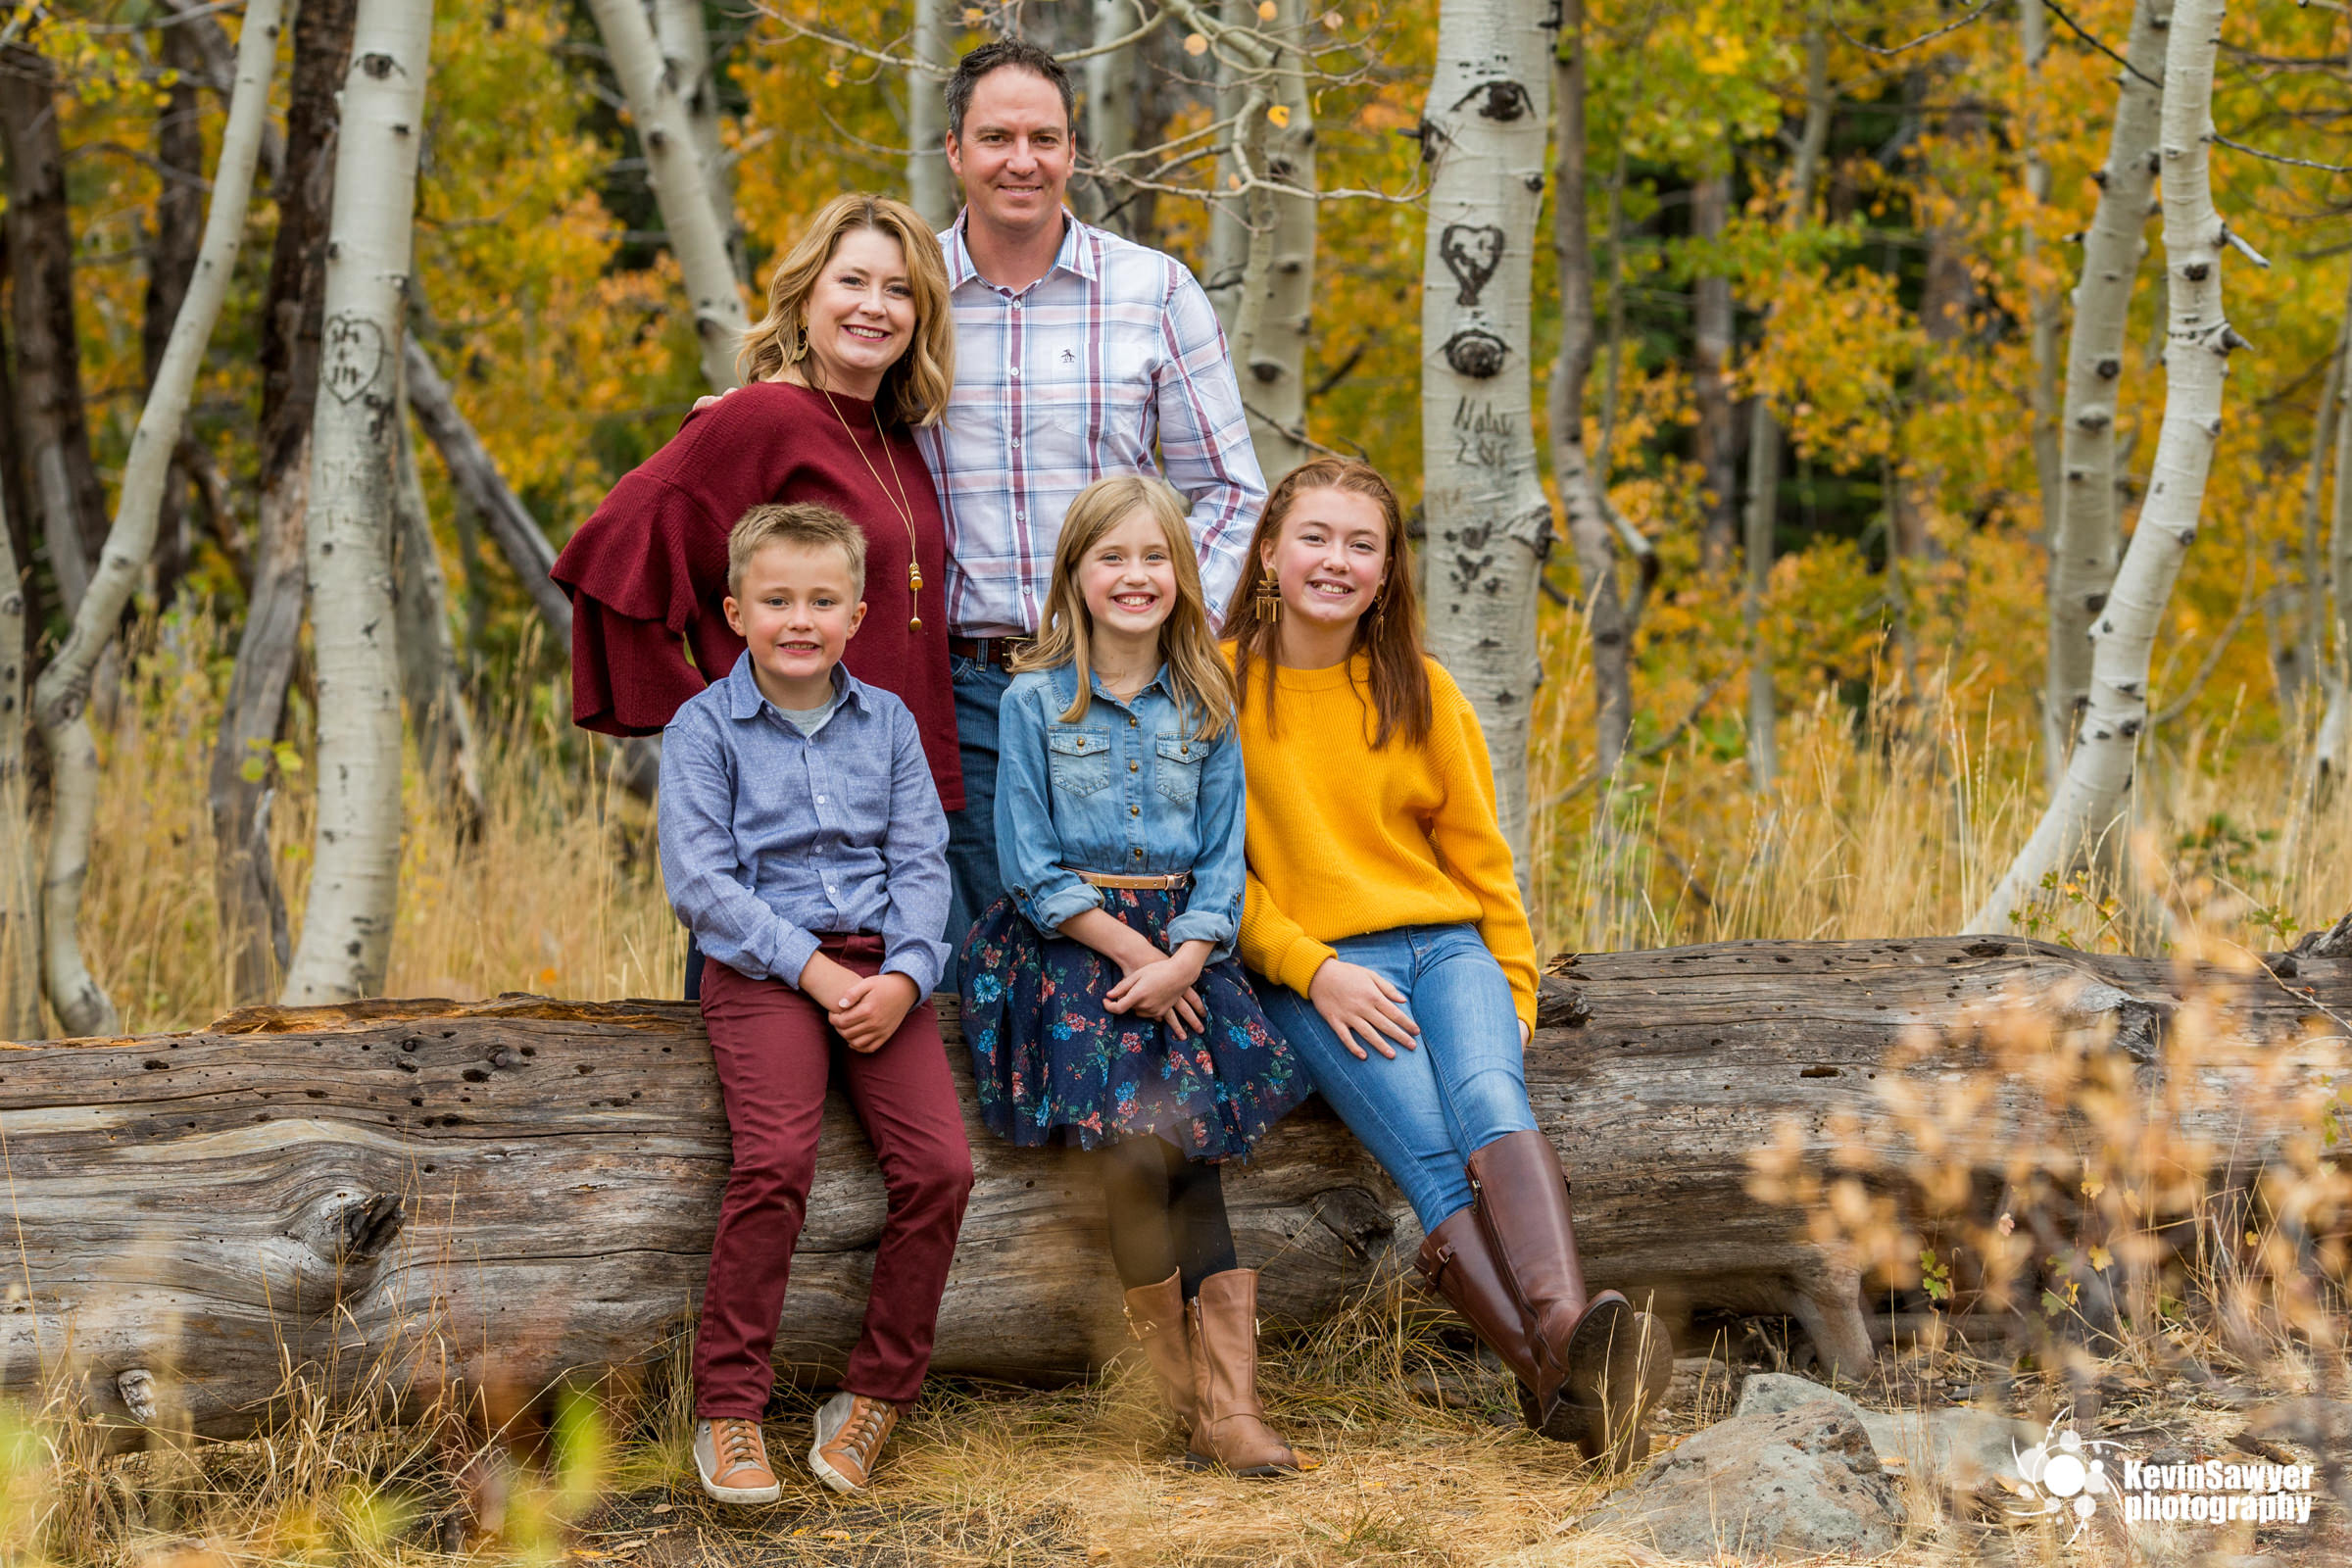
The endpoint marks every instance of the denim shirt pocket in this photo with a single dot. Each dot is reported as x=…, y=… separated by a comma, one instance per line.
x=1176, y=771
x=1077, y=760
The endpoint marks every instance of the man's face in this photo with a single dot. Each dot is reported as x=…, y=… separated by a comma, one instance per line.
x=1016, y=154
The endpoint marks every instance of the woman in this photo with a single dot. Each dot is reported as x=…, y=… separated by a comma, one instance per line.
x=855, y=351
x=1382, y=912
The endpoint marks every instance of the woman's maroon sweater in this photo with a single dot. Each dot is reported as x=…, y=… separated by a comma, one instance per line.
x=648, y=571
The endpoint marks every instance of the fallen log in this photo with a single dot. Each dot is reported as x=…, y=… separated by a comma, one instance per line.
x=408, y=1195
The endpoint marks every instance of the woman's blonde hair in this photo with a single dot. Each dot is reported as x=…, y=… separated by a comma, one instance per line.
x=1196, y=677
x=916, y=388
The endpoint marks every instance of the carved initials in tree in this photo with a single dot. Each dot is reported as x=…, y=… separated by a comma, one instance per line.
x=1472, y=252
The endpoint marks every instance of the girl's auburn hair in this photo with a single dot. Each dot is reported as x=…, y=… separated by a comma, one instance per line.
x=916, y=388
x=1390, y=632
x=1196, y=677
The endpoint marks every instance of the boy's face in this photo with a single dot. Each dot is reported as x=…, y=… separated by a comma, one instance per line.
x=796, y=608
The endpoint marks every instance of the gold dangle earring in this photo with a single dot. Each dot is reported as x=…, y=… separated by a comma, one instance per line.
x=1268, y=602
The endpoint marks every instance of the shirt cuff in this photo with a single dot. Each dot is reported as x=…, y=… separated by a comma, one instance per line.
x=1203, y=925
x=1047, y=914
x=793, y=953
x=1296, y=966
x=921, y=962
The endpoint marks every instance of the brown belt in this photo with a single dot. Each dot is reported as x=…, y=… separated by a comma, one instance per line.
x=1114, y=879
x=997, y=651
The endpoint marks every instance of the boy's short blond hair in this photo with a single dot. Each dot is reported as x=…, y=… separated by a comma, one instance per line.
x=804, y=523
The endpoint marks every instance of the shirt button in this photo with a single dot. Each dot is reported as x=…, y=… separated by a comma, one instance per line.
x=820, y=799
x=1016, y=440
x=1020, y=517
x=1132, y=767
x=1016, y=372
x=1139, y=854
x=1135, y=810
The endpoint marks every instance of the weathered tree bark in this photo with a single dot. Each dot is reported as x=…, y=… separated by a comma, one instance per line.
x=2297, y=637
x=1487, y=522
x=1716, y=441
x=62, y=693
x=1764, y=443
x=686, y=58
x=429, y=679
x=1110, y=108
x=68, y=499
x=930, y=186
x=255, y=944
x=2041, y=306
x=2331, y=754
x=405, y=1186
x=2086, y=537
x=666, y=131
x=219, y=73
x=476, y=477
x=2098, y=776
x=19, y=845
x=171, y=263
x=346, y=940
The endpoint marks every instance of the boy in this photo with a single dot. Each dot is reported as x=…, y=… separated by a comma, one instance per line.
x=804, y=843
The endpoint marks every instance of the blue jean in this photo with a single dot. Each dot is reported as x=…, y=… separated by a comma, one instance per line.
x=973, y=881
x=1424, y=1113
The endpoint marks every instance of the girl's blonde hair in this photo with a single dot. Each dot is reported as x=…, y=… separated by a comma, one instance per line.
x=916, y=388
x=1196, y=677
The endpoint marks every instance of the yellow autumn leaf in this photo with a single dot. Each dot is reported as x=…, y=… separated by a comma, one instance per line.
x=832, y=79
x=2101, y=1258
x=1265, y=10
x=1331, y=21
x=973, y=15
x=1194, y=44
x=1279, y=114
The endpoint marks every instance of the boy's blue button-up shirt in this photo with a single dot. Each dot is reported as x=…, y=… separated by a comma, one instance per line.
x=771, y=837
x=1130, y=789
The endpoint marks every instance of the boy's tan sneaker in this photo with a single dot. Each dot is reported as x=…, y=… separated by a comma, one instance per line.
x=733, y=1461
x=851, y=1429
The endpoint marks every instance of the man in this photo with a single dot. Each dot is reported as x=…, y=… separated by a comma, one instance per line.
x=1077, y=354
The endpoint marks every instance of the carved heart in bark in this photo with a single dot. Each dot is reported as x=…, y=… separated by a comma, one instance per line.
x=352, y=356
x=1472, y=252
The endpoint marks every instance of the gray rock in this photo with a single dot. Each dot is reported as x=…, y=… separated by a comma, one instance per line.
x=1953, y=1448
x=1794, y=1483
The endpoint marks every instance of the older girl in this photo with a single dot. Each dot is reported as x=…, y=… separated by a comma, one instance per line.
x=1101, y=1000
x=1383, y=913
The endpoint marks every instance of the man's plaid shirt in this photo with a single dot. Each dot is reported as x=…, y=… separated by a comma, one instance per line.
x=1113, y=352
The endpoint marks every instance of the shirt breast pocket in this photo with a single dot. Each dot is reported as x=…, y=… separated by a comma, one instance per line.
x=1176, y=769
x=1078, y=760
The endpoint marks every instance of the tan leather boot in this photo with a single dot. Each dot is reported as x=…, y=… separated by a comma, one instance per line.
x=1155, y=1319
x=1229, y=1426
x=1609, y=1363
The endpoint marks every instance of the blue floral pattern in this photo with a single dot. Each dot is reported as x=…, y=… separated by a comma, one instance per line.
x=1051, y=1064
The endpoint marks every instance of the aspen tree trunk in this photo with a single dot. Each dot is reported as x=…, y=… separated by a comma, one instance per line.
x=2295, y=661
x=2093, y=798
x=2034, y=46
x=1110, y=108
x=346, y=940
x=240, y=792
x=19, y=870
x=170, y=262
x=1488, y=524
x=1717, y=439
x=428, y=656
x=1228, y=212
x=68, y=499
x=61, y=697
x=2086, y=539
x=2330, y=755
x=477, y=480
x=1274, y=381
x=666, y=131
x=686, y=58
x=930, y=186
x=1764, y=443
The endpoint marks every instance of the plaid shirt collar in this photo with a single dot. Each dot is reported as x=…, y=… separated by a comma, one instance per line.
x=1080, y=255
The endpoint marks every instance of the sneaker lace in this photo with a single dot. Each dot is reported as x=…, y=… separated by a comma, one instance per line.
x=737, y=1443
x=862, y=1431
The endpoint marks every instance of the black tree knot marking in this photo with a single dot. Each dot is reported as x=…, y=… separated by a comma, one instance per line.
x=1475, y=353
x=1472, y=252
x=354, y=356
x=379, y=65
x=1505, y=100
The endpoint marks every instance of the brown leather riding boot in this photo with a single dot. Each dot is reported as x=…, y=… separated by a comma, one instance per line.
x=1458, y=1260
x=1229, y=1426
x=1608, y=1363
x=1155, y=1319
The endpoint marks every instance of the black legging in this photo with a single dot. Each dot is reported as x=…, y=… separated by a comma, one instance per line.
x=1167, y=1214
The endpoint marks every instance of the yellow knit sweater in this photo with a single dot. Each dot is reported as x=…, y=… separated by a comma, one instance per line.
x=1344, y=839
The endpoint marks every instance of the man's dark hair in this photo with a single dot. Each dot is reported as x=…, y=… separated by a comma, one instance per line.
x=1018, y=53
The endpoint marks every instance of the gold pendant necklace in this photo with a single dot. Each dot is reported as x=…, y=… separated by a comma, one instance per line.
x=898, y=501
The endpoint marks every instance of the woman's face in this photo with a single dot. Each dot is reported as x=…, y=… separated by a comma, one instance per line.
x=1328, y=558
x=861, y=313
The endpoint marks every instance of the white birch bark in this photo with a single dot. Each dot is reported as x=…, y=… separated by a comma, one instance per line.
x=2329, y=755
x=1274, y=365
x=61, y=698
x=1487, y=522
x=2034, y=41
x=686, y=58
x=1110, y=104
x=346, y=940
x=428, y=656
x=19, y=864
x=665, y=132
x=1764, y=444
x=930, y=186
x=2086, y=537
x=2094, y=797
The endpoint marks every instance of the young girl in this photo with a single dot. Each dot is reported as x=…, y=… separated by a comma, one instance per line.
x=1383, y=913
x=1099, y=997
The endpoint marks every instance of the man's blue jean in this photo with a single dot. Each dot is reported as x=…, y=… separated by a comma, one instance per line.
x=973, y=881
x=1424, y=1113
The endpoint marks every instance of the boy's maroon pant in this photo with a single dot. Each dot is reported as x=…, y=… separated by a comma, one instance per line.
x=775, y=1054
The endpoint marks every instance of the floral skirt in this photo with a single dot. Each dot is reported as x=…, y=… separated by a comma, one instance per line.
x=1053, y=1065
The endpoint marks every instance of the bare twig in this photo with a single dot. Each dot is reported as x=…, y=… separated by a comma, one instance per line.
x=1925, y=37
x=2277, y=158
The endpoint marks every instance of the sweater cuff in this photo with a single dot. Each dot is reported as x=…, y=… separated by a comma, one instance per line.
x=1296, y=966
